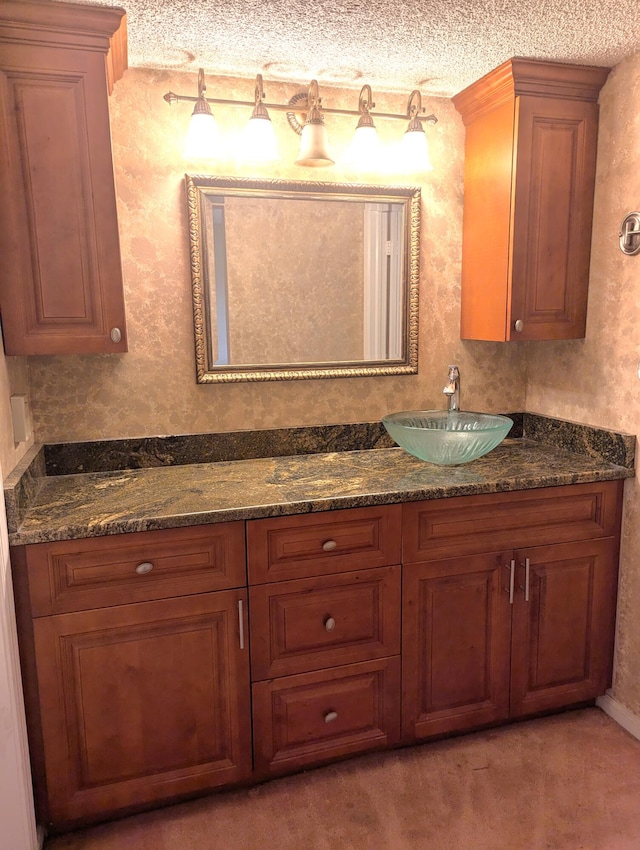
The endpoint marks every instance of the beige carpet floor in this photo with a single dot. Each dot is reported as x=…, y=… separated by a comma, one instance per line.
x=567, y=782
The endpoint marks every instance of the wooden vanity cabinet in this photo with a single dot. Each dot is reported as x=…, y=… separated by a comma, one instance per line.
x=149, y=665
x=138, y=692
x=325, y=636
x=480, y=646
x=61, y=287
x=530, y=158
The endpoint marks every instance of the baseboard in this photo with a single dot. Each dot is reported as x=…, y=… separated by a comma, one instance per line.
x=618, y=712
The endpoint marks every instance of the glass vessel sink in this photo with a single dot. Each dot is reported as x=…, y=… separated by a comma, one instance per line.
x=447, y=437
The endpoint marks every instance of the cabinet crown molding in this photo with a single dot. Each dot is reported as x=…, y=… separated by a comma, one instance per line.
x=531, y=77
x=69, y=25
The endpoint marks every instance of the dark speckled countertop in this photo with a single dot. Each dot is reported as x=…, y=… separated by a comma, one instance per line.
x=44, y=507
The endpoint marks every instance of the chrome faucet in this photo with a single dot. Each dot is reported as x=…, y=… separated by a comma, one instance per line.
x=452, y=389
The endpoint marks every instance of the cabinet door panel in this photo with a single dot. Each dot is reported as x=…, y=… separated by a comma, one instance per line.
x=289, y=632
x=553, y=210
x=563, y=636
x=315, y=717
x=142, y=703
x=455, y=644
x=61, y=284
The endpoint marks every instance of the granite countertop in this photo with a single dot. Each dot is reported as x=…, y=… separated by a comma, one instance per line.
x=91, y=504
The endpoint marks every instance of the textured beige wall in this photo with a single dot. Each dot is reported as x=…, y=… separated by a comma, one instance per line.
x=152, y=389
x=595, y=380
x=291, y=298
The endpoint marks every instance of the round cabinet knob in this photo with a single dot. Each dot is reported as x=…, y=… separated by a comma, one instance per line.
x=330, y=716
x=329, y=545
x=116, y=334
x=329, y=624
x=518, y=325
x=144, y=568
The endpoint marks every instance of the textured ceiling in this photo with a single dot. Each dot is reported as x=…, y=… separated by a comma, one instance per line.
x=438, y=46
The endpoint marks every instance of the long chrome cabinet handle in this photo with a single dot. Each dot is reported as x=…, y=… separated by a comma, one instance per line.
x=527, y=578
x=241, y=622
x=512, y=580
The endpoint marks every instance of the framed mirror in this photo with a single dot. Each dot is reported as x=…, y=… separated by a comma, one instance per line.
x=299, y=280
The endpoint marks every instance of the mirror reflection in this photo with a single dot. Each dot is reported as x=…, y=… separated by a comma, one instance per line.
x=302, y=280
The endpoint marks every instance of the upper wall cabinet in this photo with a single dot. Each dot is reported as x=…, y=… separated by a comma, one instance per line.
x=530, y=158
x=61, y=286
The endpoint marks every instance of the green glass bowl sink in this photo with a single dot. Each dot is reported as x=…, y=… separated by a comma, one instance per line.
x=447, y=437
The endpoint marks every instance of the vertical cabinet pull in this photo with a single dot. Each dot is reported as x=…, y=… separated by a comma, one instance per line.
x=512, y=577
x=527, y=578
x=241, y=622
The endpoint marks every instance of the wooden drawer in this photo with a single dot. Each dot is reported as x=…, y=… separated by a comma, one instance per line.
x=488, y=523
x=316, y=717
x=329, y=542
x=309, y=624
x=75, y=575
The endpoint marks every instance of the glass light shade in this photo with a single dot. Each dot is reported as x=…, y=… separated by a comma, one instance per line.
x=203, y=137
x=314, y=146
x=365, y=150
x=259, y=143
x=414, y=150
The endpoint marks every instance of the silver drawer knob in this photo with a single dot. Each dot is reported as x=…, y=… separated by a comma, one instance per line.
x=330, y=716
x=116, y=334
x=518, y=325
x=329, y=624
x=144, y=568
x=329, y=545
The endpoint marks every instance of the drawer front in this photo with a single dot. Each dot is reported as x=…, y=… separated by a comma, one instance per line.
x=488, y=523
x=316, y=717
x=310, y=624
x=328, y=542
x=76, y=575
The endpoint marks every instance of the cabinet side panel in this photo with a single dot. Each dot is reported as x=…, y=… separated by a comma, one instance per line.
x=553, y=211
x=486, y=224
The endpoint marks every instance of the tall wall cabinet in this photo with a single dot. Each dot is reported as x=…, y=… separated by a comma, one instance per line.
x=530, y=158
x=61, y=288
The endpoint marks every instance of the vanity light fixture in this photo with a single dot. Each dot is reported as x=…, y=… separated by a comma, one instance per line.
x=365, y=149
x=313, y=142
x=414, y=145
x=203, y=135
x=259, y=143
x=259, y=138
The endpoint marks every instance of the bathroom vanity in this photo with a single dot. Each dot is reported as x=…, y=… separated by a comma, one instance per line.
x=203, y=625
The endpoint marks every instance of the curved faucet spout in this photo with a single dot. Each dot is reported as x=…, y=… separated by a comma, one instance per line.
x=452, y=388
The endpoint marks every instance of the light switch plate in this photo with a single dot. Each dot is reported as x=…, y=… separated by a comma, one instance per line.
x=20, y=418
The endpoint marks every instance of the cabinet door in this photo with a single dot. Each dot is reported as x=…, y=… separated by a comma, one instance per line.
x=142, y=703
x=555, y=175
x=455, y=644
x=61, y=284
x=563, y=634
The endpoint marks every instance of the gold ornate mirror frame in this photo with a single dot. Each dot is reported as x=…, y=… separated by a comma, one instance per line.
x=206, y=192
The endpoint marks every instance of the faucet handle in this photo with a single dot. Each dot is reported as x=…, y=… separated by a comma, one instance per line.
x=454, y=373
